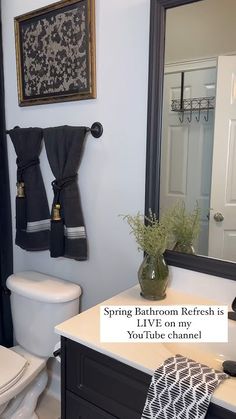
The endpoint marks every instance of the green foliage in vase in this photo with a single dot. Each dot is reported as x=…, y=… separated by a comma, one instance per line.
x=184, y=226
x=151, y=236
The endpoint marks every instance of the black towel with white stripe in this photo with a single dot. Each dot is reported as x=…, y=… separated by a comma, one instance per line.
x=64, y=147
x=32, y=210
x=181, y=388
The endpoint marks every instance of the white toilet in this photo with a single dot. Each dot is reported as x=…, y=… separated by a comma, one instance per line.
x=38, y=303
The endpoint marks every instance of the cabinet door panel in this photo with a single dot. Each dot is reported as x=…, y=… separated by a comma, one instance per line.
x=77, y=408
x=105, y=382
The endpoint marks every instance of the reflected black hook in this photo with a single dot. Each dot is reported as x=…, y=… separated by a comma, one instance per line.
x=181, y=117
x=189, y=118
x=207, y=116
x=199, y=115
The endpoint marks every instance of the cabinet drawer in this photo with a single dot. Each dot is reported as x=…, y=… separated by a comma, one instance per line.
x=105, y=382
x=77, y=408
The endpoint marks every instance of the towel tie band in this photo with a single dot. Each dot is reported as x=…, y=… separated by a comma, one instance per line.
x=22, y=166
x=58, y=185
x=57, y=238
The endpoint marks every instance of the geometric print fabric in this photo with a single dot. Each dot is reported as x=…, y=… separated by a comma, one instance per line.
x=181, y=389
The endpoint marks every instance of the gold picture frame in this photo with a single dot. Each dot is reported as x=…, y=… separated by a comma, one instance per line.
x=55, y=53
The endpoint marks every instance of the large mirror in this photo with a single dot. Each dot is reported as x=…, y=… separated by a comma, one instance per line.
x=191, y=138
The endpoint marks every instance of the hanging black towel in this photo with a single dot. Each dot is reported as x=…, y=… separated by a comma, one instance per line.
x=64, y=147
x=32, y=210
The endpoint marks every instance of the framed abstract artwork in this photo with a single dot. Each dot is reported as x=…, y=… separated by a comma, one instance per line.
x=55, y=53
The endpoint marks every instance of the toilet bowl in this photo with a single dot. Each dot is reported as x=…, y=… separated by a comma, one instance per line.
x=38, y=303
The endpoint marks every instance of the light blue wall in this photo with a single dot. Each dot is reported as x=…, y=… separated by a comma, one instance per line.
x=112, y=173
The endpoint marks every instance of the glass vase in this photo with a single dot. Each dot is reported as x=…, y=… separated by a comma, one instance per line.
x=153, y=276
x=184, y=248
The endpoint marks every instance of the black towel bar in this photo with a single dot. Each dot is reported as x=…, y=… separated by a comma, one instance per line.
x=8, y=131
x=96, y=129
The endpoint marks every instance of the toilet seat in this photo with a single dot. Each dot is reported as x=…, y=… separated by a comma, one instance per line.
x=30, y=368
x=12, y=367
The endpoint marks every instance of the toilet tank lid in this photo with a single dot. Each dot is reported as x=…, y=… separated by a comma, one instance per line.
x=41, y=287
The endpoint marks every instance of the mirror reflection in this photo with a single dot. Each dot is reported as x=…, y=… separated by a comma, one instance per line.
x=198, y=157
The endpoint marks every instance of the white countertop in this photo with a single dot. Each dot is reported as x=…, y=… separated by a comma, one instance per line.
x=85, y=329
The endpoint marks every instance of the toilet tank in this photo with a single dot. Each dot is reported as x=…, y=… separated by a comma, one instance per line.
x=38, y=303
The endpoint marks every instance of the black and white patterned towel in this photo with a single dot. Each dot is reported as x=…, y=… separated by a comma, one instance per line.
x=181, y=389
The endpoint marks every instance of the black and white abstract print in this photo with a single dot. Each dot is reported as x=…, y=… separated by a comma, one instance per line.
x=55, y=53
x=181, y=388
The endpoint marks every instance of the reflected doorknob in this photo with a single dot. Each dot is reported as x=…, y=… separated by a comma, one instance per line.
x=218, y=217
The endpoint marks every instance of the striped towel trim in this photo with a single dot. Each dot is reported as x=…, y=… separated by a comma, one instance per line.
x=69, y=232
x=72, y=233
x=35, y=226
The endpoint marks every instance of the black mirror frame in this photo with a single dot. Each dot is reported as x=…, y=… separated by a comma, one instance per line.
x=154, y=126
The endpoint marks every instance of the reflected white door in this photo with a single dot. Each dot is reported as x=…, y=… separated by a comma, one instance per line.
x=222, y=234
x=187, y=149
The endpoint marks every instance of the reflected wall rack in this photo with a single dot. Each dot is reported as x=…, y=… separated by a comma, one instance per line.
x=190, y=105
x=200, y=104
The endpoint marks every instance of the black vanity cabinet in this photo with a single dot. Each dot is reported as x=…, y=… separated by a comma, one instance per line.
x=95, y=386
